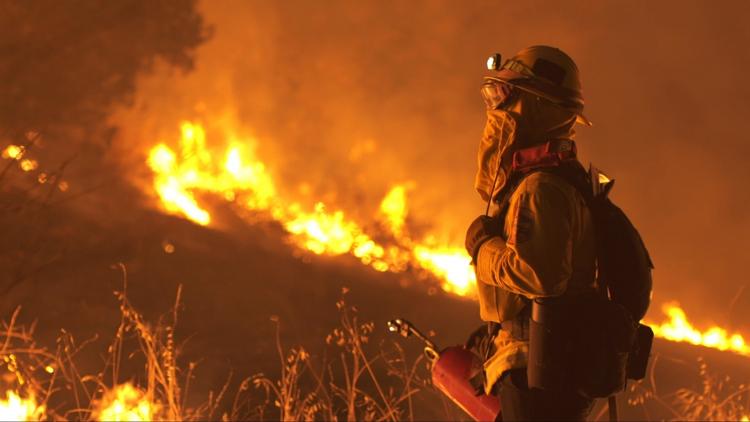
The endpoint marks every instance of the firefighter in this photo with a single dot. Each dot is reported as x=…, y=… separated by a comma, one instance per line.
x=537, y=239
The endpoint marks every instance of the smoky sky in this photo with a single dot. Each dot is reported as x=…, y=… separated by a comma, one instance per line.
x=352, y=97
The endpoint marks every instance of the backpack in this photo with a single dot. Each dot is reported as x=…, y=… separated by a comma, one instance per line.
x=592, y=343
x=610, y=345
x=623, y=262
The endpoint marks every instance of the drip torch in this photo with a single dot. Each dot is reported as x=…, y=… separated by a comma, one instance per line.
x=451, y=369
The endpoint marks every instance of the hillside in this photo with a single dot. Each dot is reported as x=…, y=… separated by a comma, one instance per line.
x=233, y=283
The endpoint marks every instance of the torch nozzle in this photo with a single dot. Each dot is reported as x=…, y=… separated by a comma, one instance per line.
x=400, y=326
x=405, y=329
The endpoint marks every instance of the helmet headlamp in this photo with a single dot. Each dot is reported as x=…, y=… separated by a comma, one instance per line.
x=494, y=62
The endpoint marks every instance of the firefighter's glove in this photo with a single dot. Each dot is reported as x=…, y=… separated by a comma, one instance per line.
x=481, y=339
x=482, y=229
x=481, y=344
x=476, y=337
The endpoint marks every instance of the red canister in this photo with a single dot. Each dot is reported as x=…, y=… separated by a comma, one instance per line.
x=451, y=371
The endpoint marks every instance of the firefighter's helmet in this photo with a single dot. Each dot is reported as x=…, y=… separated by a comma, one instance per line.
x=544, y=71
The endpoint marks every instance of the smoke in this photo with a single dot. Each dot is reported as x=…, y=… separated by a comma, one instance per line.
x=347, y=98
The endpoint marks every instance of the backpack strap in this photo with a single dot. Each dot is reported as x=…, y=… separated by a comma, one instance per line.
x=575, y=175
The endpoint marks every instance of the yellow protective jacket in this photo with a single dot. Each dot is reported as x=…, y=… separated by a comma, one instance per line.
x=550, y=250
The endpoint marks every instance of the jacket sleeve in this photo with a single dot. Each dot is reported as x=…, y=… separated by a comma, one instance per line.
x=536, y=260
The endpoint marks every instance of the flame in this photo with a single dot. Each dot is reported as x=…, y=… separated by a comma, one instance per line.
x=678, y=328
x=15, y=408
x=394, y=209
x=125, y=403
x=451, y=264
x=241, y=178
x=197, y=170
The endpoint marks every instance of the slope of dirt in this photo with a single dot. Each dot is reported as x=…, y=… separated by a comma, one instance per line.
x=233, y=282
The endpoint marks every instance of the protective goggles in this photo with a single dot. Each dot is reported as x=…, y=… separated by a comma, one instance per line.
x=496, y=93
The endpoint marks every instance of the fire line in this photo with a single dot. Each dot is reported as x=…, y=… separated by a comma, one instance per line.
x=240, y=177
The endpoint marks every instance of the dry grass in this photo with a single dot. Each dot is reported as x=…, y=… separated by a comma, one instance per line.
x=717, y=399
x=349, y=386
x=24, y=365
x=47, y=376
x=353, y=379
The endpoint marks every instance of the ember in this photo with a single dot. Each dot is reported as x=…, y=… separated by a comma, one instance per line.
x=13, y=152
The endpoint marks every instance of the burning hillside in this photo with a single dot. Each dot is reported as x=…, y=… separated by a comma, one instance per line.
x=229, y=169
x=389, y=218
x=346, y=165
x=192, y=168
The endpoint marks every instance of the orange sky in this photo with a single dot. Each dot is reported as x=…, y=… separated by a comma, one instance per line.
x=353, y=97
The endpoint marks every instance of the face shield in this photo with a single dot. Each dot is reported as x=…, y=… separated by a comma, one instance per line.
x=497, y=93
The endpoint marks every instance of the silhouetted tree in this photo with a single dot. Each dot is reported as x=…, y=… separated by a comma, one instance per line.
x=64, y=64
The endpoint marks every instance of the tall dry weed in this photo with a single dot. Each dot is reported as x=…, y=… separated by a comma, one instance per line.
x=356, y=383
x=351, y=379
x=717, y=399
x=25, y=368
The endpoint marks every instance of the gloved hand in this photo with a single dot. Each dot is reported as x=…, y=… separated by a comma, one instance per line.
x=482, y=229
x=481, y=343
x=476, y=337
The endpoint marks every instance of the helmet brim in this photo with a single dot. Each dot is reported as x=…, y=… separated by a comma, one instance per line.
x=583, y=120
